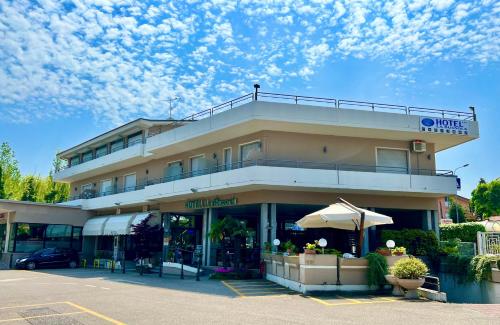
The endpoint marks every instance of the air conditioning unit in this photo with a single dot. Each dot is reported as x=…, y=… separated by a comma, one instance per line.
x=419, y=146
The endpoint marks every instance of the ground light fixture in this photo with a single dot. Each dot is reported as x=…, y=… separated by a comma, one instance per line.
x=390, y=244
x=322, y=243
x=276, y=243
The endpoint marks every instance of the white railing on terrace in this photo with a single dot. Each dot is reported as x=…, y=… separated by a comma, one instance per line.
x=89, y=194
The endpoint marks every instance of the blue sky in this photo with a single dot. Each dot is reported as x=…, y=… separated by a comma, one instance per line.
x=70, y=70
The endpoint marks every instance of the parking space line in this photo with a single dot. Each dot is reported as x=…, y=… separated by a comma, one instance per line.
x=355, y=301
x=40, y=316
x=35, y=305
x=94, y=313
x=239, y=293
x=348, y=301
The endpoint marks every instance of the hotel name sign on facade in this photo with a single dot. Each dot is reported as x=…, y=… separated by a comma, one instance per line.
x=210, y=203
x=444, y=125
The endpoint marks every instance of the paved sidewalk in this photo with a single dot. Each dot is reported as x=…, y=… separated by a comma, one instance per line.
x=86, y=296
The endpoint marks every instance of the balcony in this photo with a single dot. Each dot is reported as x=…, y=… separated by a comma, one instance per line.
x=294, y=175
x=279, y=175
x=118, y=158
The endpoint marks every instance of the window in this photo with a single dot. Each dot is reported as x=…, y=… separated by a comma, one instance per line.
x=74, y=161
x=198, y=165
x=228, y=158
x=105, y=243
x=134, y=139
x=58, y=236
x=173, y=171
x=106, y=187
x=87, y=156
x=76, y=239
x=29, y=237
x=129, y=183
x=117, y=145
x=249, y=152
x=392, y=161
x=101, y=151
x=87, y=191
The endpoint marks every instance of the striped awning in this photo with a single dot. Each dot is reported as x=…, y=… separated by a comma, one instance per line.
x=114, y=225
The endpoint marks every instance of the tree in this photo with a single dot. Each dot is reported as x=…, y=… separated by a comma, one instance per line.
x=147, y=238
x=11, y=176
x=232, y=230
x=30, y=189
x=2, y=184
x=485, y=200
x=55, y=192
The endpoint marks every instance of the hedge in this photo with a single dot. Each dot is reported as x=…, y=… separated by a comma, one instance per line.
x=416, y=241
x=466, y=232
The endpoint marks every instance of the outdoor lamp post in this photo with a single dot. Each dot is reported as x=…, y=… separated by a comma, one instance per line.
x=456, y=204
x=276, y=243
x=322, y=243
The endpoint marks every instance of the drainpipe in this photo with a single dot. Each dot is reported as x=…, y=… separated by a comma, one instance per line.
x=473, y=110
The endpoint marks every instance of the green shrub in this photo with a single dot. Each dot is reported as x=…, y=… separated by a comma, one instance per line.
x=481, y=266
x=450, y=247
x=416, y=241
x=333, y=251
x=409, y=268
x=466, y=232
x=458, y=265
x=377, y=268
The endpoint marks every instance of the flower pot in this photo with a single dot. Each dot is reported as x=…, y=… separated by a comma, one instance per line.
x=309, y=251
x=384, y=251
x=411, y=285
x=398, y=253
x=396, y=288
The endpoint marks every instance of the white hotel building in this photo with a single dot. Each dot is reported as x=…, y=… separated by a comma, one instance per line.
x=268, y=159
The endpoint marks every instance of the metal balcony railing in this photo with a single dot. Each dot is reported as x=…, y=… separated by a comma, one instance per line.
x=108, y=152
x=270, y=163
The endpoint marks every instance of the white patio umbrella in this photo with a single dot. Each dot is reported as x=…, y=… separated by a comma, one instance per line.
x=344, y=215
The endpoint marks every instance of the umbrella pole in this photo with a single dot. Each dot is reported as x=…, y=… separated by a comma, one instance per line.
x=361, y=233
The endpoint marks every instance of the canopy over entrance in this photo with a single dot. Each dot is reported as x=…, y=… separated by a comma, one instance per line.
x=344, y=215
x=114, y=225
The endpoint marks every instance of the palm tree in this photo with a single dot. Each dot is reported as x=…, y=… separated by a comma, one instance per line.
x=232, y=229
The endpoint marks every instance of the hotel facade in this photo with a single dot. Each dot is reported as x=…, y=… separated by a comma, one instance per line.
x=267, y=159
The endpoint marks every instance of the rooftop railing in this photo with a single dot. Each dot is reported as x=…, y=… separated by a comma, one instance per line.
x=88, y=194
x=333, y=103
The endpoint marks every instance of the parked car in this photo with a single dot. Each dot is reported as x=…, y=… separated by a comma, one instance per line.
x=49, y=257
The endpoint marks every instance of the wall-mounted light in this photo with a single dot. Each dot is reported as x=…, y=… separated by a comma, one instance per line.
x=429, y=157
x=147, y=171
x=324, y=149
x=214, y=155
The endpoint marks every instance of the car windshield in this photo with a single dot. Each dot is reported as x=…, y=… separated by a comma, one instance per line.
x=38, y=252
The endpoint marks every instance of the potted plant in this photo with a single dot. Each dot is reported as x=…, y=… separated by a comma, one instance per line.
x=410, y=273
x=384, y=251
x=398, y=251
x=289, y=247
x=310, y=248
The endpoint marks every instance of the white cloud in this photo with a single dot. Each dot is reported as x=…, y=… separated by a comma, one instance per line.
x=441, y=4
x=120, y=59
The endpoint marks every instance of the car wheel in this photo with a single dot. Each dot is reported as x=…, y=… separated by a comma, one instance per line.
x=31, y=266
x=72, y=264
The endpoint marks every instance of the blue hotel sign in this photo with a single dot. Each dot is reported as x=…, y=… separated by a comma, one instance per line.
x=444, y=125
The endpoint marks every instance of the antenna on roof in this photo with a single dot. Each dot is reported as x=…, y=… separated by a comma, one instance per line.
x=256, y=86
x=170, y=101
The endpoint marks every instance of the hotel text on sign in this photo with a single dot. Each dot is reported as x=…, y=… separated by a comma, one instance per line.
x=213, y=203
x=444, y=125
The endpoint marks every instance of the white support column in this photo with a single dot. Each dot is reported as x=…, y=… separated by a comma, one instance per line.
x=264, y=224
x=435, y=222
x=209, y=242
x=204, y=235
x=274, y=223
x=428, y=220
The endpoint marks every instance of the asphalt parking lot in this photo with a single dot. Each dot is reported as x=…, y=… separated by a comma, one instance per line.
x=86, y=296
